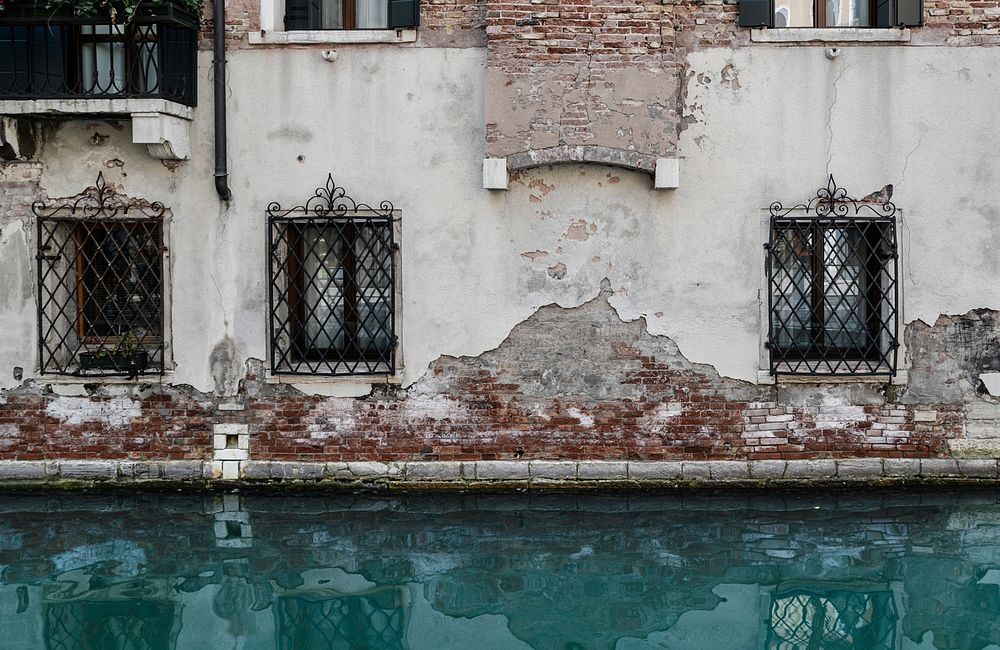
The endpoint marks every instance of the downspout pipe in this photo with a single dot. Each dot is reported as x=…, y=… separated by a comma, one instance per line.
x=219, y=66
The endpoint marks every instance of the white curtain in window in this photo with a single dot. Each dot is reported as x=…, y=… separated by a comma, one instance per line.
x=332, y=14
x=102, y=64
x=372, y=14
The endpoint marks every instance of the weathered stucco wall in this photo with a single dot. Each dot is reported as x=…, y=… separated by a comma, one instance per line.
x=759, y=123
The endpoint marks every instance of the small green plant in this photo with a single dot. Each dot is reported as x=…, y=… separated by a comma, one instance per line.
x=121, y=12
x=127, y=354
x=129, y=344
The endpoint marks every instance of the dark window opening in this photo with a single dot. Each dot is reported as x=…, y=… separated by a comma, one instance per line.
x=332, y=289
x=832, y=287
x=830, y=13
x=351, y=14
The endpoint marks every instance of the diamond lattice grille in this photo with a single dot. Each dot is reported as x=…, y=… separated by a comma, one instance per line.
x=836, y=620
x=833, y=288
x=376, y=621
x=100, y=289
x=332, y=277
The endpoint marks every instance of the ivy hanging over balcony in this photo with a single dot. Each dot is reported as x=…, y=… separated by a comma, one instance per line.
x=120, y=12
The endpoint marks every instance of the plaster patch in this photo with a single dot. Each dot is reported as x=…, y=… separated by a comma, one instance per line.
x=579, y=230
x=534, y=256
x=117, y=412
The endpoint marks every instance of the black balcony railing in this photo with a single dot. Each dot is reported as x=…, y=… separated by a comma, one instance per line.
x=57, y=56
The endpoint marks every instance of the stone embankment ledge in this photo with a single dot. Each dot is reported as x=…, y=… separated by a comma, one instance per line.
x=544, y=474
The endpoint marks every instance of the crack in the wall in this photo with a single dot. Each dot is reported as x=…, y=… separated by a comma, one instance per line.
x=829, y=119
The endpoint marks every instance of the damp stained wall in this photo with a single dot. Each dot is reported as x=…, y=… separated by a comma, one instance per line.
x=405, y=124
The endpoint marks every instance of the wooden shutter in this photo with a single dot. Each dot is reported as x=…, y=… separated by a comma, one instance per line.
x=756, y=13
x=403, y=13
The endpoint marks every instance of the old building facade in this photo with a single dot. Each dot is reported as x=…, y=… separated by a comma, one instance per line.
x=467, y=232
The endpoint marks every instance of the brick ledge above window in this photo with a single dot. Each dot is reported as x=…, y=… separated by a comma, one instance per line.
x=334, y=36
x=829, y=35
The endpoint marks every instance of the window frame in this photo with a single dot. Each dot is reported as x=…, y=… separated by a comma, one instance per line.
x=97, y=208
x=833, y=208
x=330, y=207
x=902, y=13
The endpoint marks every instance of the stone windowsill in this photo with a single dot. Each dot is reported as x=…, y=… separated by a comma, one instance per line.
x=829, y=35
x=95, y=106
x=334, y=36
x=898, y=379
x=72, y=385
x=343, y=386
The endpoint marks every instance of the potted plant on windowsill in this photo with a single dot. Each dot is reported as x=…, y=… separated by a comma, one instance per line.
x=127, y=355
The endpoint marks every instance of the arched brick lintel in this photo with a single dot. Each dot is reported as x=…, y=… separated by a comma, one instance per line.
x=583, y=154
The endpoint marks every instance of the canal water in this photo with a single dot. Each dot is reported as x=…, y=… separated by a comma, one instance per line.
x=719, y=570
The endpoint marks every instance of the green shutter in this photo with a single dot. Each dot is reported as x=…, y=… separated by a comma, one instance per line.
x=296, y=14
x=404, y=13
x=910, y=13
x=899, y=13
x=756, y=13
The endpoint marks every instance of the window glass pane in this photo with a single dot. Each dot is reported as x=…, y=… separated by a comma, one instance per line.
x=372, y=14
x=847, y=13
x=792, y=288
x=332, y=14
x=374, y=289
x=794, y=13
x=845, y=307
x=102, y=59
x=324, y=288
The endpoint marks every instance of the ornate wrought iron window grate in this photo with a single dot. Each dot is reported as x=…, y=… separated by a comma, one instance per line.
x=832, y=267
x=100, y=285
x=332, y=286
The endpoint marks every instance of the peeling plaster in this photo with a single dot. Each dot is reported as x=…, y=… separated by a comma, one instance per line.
x=117, y=412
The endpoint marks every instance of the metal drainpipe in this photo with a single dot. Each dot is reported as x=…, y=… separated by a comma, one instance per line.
x=219, y=65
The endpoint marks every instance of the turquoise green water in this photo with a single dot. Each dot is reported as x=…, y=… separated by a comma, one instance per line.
x=899, y=570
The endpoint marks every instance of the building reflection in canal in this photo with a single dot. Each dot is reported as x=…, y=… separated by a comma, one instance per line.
x=918, y=570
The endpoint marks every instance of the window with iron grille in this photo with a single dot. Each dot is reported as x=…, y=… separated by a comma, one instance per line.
x=332, y=286
x=831, y=13
x=832, y=268
x=100, y=285
x=351, y=14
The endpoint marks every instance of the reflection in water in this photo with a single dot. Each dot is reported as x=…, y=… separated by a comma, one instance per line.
x=700, y=570
x=833, y=619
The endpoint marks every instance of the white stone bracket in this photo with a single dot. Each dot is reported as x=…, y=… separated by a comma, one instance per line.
x=667, y=175
x=166, y=136
x=494, y=173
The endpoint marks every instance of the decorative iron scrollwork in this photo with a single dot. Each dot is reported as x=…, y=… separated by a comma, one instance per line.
x=833, y=201
x=99, y=201
x=332, y=289
x=833, y=292
x=331, y=200
x=100, y=284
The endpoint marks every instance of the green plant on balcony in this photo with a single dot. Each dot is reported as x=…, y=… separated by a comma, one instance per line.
x=119, y=11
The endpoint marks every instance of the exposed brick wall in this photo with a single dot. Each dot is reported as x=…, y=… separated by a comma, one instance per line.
x=963, y=22
x=567, y=383
x=599, y=74
x=452, y=23
x=443, y=23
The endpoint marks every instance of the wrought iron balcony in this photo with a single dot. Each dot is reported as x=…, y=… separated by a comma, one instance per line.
x=46, y=55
